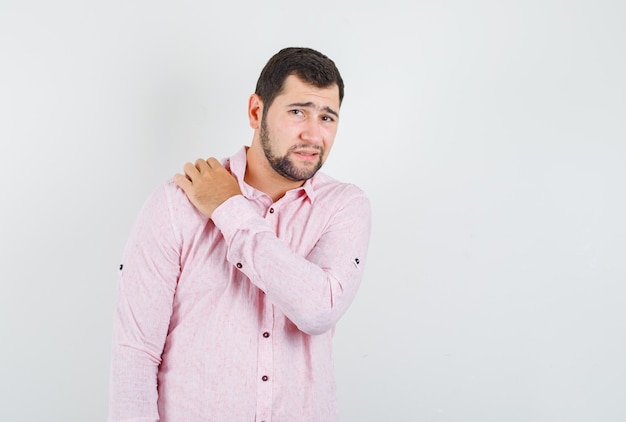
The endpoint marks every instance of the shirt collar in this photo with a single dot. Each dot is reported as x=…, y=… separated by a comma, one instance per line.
x=237, y=165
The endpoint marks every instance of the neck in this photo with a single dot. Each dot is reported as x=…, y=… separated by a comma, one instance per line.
x=261, y=176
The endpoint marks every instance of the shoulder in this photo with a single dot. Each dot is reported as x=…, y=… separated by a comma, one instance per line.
x=323, y=183
x=329, y=190
x=171, y=202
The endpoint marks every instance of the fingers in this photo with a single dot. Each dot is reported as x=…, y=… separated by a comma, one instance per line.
x=210, y=163
x=183, y=182
x=192, y=171
x=202, y=165
x=213, y=163
x=207, y=184
x=195, y=170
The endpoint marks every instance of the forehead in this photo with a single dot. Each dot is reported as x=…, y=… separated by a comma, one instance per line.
x=294, y=89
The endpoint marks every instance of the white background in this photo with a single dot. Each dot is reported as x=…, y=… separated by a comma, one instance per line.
x=489, y=135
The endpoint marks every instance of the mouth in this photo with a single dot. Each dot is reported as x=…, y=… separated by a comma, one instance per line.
x=307, y=154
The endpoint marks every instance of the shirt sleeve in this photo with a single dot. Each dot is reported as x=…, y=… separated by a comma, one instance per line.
x=147, y=280
x=313, y=291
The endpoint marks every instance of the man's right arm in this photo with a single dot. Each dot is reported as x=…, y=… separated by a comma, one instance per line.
x=148, y=275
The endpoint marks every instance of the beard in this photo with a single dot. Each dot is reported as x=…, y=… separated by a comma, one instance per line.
x=284, y=165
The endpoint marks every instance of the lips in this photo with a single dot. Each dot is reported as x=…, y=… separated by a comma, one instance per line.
x=307, y=153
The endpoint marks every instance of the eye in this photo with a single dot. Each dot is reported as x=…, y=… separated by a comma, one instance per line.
x=328, y=119
x=296, y=112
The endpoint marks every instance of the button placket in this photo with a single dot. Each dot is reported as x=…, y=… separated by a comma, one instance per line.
x=265, y=363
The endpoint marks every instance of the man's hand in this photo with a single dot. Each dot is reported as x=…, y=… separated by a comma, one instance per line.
x=207, y=184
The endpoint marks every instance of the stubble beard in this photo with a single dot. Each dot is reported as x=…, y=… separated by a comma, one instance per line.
x=284, y=165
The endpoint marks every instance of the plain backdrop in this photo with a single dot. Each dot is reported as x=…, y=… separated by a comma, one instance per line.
x=489, y=135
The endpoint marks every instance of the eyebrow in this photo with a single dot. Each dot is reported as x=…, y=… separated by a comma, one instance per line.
x=312, y=105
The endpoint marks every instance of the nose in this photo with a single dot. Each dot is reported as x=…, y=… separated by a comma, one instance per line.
x=312, y=132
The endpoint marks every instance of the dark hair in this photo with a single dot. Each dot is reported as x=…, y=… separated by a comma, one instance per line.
x=309, y=65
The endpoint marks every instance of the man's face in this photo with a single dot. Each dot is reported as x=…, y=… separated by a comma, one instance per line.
x=298, y=130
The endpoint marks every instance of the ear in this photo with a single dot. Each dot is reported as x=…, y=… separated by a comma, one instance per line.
x=255, y=111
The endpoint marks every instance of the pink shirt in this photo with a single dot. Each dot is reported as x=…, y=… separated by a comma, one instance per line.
x=231, y=319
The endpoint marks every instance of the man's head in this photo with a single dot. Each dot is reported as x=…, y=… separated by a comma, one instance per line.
x=295, y=111
x=310, y=66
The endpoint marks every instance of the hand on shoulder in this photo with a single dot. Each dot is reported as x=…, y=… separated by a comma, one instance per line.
x=207, y=184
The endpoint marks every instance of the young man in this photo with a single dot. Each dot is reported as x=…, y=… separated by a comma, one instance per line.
x=236, y=273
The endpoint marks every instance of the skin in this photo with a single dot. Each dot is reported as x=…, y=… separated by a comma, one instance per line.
x=298, y=131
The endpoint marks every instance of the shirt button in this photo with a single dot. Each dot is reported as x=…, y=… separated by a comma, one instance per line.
x=271, y=210
x=264, y=377
x=266, y=334
x=239, y=265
